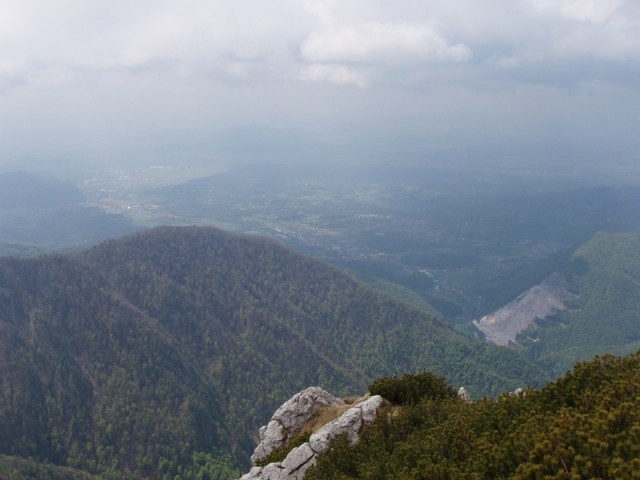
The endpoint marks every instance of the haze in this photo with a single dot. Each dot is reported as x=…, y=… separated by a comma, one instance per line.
x=95, y=83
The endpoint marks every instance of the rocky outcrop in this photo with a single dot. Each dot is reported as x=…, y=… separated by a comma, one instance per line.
x=290, y=419
x=294, y=466
x=463, y=394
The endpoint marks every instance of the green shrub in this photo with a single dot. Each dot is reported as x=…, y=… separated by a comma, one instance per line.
x=411, y=388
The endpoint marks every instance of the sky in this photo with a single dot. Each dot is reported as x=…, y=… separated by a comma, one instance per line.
x=97, y=80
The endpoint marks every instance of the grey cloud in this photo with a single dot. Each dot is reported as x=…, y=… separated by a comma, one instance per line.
x=594, y=11
x=322, y=38
x=441, y=67
x=335, y=74
x=381, y=42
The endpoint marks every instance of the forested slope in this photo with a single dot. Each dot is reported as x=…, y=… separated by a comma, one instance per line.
x=603, y=315
x=158, y=354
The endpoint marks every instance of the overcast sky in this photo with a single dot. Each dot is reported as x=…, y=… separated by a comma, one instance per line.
x=90, y=76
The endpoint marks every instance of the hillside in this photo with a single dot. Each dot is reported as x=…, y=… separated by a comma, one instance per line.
x=589, y=306
x=160, y=353
x=603, y=315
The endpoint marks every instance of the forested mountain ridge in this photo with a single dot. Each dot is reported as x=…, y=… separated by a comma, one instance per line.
x=160, y=353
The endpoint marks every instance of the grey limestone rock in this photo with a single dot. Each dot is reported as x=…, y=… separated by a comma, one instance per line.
x=291, y=468
x=255, y=472
x=463, y=394
x=290, y=418
x=294, y=466
x=298, y=461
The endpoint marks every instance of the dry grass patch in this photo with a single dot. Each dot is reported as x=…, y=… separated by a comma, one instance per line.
x=326, y=414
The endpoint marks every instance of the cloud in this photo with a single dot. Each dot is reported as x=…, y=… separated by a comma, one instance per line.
x=11, y=75
x=595, y=11
x=583, y=32
x=194, y=37
x=381, y=42
x=355, y=42
x=149, y=64
x=334, y=74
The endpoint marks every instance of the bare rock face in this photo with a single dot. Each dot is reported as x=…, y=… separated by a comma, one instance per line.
x=505, y=324
x=290, y=418
x=297, y=462
x=294, y=466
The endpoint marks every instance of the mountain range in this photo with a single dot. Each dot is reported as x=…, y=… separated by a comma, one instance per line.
x=159, y=354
